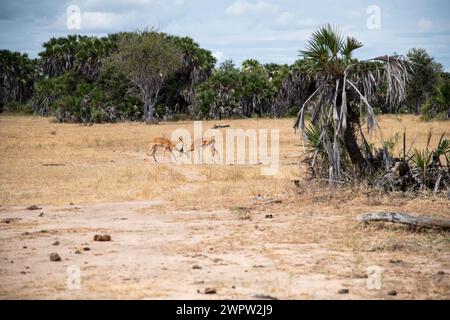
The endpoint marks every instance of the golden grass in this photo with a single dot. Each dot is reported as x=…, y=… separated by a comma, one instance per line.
x=107, y=163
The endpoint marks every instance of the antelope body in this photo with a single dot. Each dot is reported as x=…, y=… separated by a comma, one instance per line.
x=166, y=144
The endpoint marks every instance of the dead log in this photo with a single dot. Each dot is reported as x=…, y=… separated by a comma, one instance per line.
x=407, y=219
x=220, y=126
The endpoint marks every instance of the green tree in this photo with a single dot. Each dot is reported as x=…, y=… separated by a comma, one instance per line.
x=147, y=59
x=17, y=75
x=424, y=78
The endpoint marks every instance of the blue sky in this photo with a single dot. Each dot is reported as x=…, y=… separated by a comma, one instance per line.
x=270, y=31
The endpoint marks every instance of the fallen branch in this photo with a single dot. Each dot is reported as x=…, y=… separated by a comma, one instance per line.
x=407, y=219
x=220, y=126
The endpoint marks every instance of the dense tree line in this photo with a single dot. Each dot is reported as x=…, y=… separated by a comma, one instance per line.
x=153, y=76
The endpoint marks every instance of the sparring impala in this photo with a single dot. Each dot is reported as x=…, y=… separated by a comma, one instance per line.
x=166, y=144
x=203, y=143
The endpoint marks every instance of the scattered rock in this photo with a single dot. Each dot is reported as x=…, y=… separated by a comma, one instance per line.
x=71, y=204
x=26, y=233
x=259, y=198
x=396, y=261
x=392, y=293
x=33, y=207
x=41, y=214
x=25, y=247
x=269, y=216
x=55, y=257
x=44, y=231
x=264, y=297
x=86, y=249
x=210, y=291
x=344, y=291
x=56, y=243
x=102, y=237
x=441, y=273
x=7, y=221
x=196, y=267
x=78, y=252
x=23, y=272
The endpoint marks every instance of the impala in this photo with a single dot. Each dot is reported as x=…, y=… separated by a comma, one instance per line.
x=166, y=144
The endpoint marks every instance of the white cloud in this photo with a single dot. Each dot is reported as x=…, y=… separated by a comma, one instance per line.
x=100, y=20
x=218, y=55
x=241, y=7
x=425, y=24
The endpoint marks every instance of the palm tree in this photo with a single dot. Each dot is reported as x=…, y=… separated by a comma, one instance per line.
x=17, y=74
x=344, y=87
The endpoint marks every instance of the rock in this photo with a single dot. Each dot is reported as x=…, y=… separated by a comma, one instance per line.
x=41, y=214
x=78, y=252
x=56, y=243
x=392, y=293
x=343, y=291
x=269, y=216
x=86, y=249
x=259, y=198
x=43, y=231
x=25, y=247
x=102, y=237
x=26, y=233
x=196, y=267
x=23, y=272
x=441, y=273
x=210, y=291
x=55, y=257
x=33, y=207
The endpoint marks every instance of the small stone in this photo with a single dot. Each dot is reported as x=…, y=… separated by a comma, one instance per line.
x=25, y=247
x=44, y=231
x=441, y=273
x=26, y=233
x=23, y=272
x=196, y=267
x=343, y=291
x=86, y=249
x=102, y=237
x=41, y=214
x=71, y=204
x=33, y=207
x=269, y=216
x=78, y=252
x=7, y=221
x=55, y=257
x=210, y=291
x=392, y=293
x=56, y=243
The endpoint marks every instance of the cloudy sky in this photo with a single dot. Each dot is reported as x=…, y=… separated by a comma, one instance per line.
x=268, y=30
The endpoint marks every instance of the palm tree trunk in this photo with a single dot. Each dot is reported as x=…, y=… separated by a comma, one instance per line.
x=352, y=147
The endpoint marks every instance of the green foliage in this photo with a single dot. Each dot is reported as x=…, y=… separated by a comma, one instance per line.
x=17, y=76
x=424, y=79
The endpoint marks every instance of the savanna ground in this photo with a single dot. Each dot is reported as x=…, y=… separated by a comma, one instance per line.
x=178, y=229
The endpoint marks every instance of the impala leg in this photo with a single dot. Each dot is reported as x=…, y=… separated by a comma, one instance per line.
x=173, y=154
x=153, y=152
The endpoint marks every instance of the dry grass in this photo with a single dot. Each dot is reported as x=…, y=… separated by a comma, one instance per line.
x=311, y=248
x=108, y=163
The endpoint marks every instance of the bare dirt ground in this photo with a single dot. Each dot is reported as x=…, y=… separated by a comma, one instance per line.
x=177, y=230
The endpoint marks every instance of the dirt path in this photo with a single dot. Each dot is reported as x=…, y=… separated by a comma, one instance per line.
x=176, y=255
